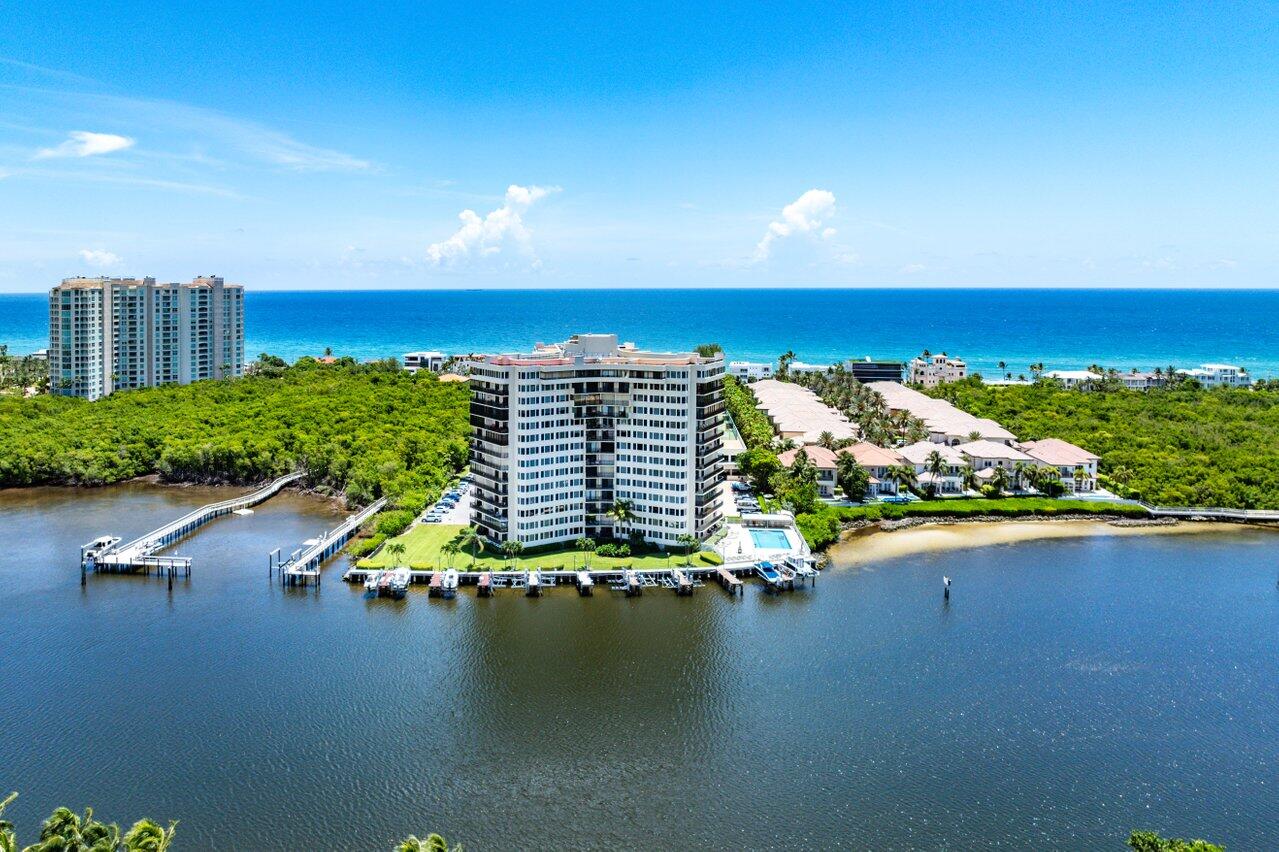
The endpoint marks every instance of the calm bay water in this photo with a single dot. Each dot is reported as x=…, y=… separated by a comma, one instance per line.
x=1062, y=328
x=1070, y=691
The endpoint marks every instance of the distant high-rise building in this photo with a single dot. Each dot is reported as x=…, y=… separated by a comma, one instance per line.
x=109, y=334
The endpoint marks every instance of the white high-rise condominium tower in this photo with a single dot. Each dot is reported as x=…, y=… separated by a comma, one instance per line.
x=109, y=334
x=566, y=431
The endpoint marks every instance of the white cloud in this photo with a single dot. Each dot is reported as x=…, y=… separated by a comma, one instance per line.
x=912, y=269
x=485, y=237
x=99, y=259
x=804, y=215
x=82, y=143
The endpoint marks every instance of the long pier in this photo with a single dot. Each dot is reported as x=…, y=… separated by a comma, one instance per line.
x=107, y=554
x=303, y=566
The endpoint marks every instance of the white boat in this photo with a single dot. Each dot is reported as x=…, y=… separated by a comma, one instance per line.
x=370, y=581
x=450, y=583
x=400, y=579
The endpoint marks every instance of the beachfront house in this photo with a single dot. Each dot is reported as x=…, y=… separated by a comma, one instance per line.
x=1075, y=379
x=826, y=461
x=750, y=371
x=1219, y=376
x=1076, y=466
x=930, y=370
x=951, y=478
x=985, y=457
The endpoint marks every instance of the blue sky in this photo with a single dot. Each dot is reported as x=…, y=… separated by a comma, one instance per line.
x=562, y=145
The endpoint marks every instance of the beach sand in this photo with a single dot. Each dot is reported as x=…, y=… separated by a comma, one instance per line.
x=871, y=545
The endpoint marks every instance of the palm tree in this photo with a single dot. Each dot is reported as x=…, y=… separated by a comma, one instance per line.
x=395, y=550
x=432, y=843
x=826, y=440
x=587, y=546
x=1080, y=476
x=851, y=477
x=904, y=474
x=783, y=364
x=999, y=480
x=449, y=550
x=147, y=836
x=470, y=538
x=1020, y=473
x=622, y=512
x=511, y=548
x=971, y=481
x=935, y=464
x=689, y=543
x=974, y=435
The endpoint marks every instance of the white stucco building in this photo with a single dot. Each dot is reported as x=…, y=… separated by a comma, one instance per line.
x=1076, y=466
x=750, y=371
x=1219, y=375
x=931, y=370
x=563, y=432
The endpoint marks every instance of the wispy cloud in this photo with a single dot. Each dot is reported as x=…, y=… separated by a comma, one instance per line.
x=913, y=269
x=80, y=176
x=485, y=237
x=100, y=259
x=83, y=143
x=805, y=215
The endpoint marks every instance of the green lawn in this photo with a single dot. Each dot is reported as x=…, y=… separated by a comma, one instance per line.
x=423, y=542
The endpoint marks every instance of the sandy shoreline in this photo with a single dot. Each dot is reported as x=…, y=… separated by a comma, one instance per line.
x=872, y=544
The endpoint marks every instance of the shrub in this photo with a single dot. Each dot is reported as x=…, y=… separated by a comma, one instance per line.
x=365, y=546
x=392, y=523
x=617, y=551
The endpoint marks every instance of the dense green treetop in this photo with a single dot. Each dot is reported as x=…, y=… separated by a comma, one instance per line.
x=363, y=430
x=1182, y=446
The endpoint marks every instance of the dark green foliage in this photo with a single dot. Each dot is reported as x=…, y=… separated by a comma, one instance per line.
x=821, y=527
x=362, y=430
x=752, y=423
x=759, y=466
x=392, y=523
x=1182, y=446
x=1149, y=841
x=615, y=550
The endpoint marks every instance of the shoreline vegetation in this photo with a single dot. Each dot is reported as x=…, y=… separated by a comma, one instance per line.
x=356, y=431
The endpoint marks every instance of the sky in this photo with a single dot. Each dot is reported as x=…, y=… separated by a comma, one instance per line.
x=419, y=145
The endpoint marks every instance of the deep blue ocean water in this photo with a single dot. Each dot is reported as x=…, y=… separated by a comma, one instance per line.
x=1062, y=328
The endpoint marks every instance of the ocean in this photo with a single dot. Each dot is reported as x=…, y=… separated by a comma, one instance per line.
x=1064, y=329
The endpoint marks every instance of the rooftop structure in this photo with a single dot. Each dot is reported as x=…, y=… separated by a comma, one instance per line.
x=946, y=424
x=566, y=431
x=798, y=413
x=866, y=370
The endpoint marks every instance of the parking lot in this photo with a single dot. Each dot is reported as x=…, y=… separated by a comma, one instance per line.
x=459, y=513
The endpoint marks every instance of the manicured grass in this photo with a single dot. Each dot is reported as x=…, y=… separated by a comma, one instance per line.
x=423, y=550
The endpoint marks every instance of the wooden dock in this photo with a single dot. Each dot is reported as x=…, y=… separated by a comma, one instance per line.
x=729, y=581
x=435, y=587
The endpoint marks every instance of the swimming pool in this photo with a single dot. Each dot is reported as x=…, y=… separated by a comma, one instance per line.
x=770, y=539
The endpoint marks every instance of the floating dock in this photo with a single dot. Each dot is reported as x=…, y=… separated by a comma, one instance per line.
x=105, y=554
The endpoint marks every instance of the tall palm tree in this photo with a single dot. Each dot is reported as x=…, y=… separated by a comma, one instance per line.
x=511, y=548
x=622, y=512
x=971, y=481
x=935, y=464
x=1081, y=474
x=468, y=537
x=999, y=480
x=826, y=440
x=1020, y=473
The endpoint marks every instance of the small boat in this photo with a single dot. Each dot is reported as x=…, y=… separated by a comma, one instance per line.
x=484, y=586
x=767, y=573
x=585, y=584
x=399, y=585
x=371, y=580
x=450, y=583
x=534, y=584
x=633, y=587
